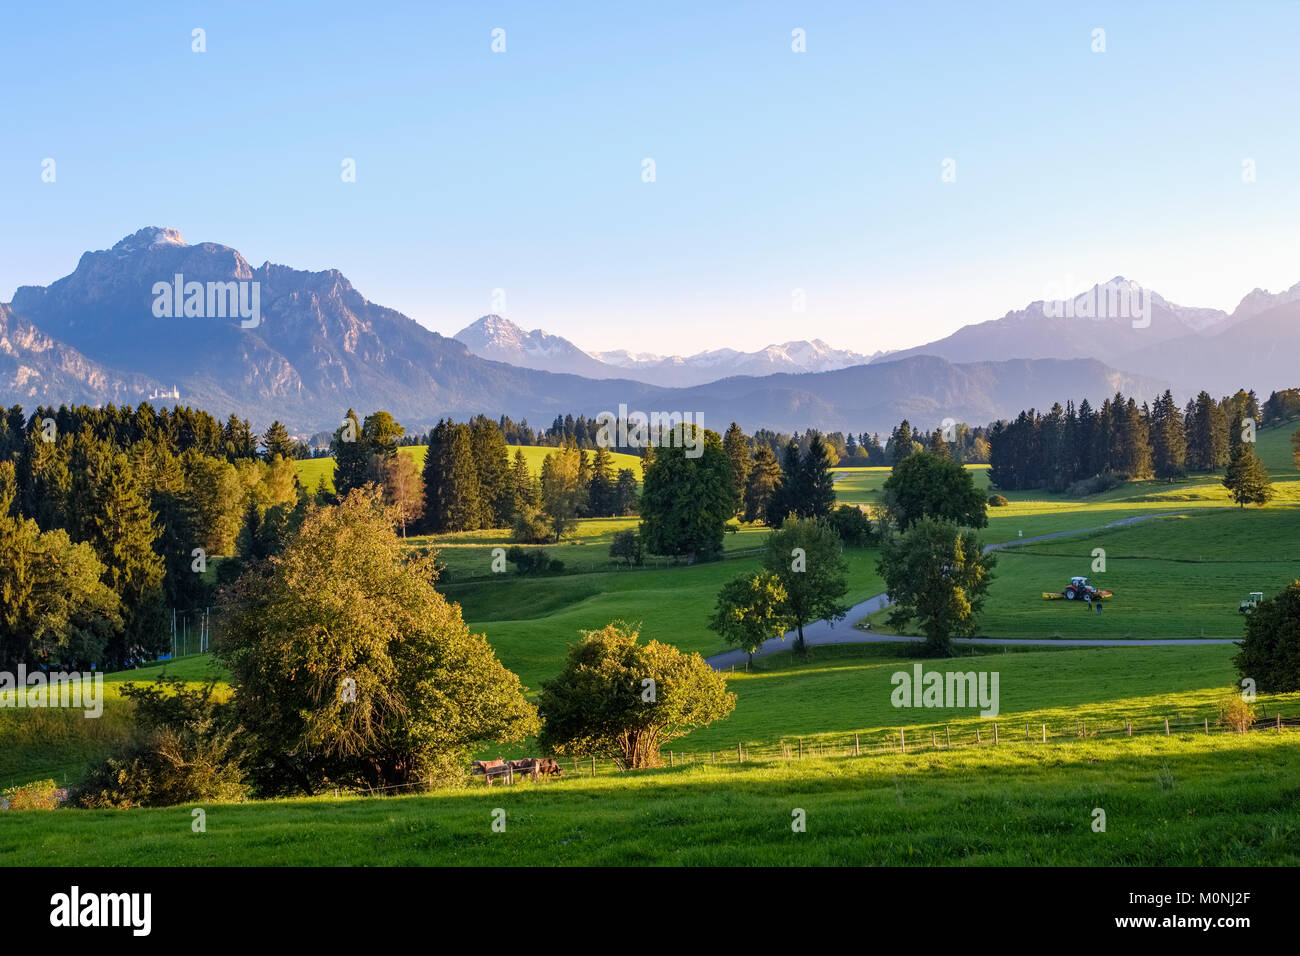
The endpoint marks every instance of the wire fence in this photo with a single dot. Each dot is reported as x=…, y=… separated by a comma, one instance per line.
x=929, y=738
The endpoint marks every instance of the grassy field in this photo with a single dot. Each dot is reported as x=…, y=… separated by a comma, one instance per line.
x=1188, y=799
x=312, y=470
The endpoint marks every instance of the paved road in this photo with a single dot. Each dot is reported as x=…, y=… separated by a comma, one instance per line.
x=823, y=632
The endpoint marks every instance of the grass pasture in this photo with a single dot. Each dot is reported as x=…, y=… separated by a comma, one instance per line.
x=312, y=470
x=1188, y=800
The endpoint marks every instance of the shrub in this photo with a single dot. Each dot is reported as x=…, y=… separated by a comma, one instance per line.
x=627, y=545
x=531, y=526
x=183, y=751
x=852, y=525
x=533, y=561
x=1234, y=712
x=37, y=795
x=1094, y=485
x=997, y=501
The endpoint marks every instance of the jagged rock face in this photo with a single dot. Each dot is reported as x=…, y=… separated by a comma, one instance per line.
x=37, y=369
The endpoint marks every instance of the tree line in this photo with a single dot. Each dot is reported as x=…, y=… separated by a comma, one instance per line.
x=108, y=517
x=1086, y=450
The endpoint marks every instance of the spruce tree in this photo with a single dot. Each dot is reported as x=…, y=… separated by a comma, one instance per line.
x=495, y=482
x=121, y=529
x=816, y=480
x=736, y=445
x=1246, y=477
x=762, y=486
x=277, y=441
x=351, y=455
x=463, y=499
x=601, y=492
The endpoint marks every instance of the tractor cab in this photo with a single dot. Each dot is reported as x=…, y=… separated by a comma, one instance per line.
x=1079, y=582
x=1251, y=602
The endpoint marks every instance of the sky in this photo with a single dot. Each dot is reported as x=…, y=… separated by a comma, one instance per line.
x=516, y=181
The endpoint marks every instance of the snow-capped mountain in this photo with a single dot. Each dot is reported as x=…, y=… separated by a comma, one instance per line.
x=500, y=340
x=493, y=337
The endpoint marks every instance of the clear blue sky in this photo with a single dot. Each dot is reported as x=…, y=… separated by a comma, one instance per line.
x=775, y=170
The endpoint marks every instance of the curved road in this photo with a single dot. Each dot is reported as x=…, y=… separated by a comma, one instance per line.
x=824, y=632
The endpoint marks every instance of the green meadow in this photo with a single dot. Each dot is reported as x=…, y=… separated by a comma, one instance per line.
x=1189, y=798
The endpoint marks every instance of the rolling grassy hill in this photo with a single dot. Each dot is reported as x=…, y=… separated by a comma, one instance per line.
x=312, y=470
x=1189, y=798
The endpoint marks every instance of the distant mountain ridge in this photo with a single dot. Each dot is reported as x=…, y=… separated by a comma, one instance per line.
x=322, y=347
x=499, y=339
x=1192, y=348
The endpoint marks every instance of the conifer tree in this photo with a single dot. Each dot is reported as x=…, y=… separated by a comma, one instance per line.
x=277, y=441
x=736, y=446
x=816, y=480
x=762, y=487
x=1246, y=477
x=351, y=455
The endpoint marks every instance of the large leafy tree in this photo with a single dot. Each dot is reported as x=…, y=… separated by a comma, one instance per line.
x=752, y=610
x=937, y=576
x=562, y=492
x=686, y=502
x=616, y=697
x=806, y=556
x=348, y=666
x=1270, y=652
x=925, y=486
x=55, y=608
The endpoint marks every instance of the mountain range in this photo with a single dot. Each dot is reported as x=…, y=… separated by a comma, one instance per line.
x=319, y=346
x=493, y=337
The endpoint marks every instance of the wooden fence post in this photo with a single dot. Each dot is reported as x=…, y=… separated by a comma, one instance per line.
x=947, y=736
x=977, y=734
x=1166, y=726
x=593, y=766
x=995, y=732
x=740, y=754
x=857, y=752
x=1279, y=721
x=1207, y=725
x=902, y=739
x=1026, y=731
x=800, y=748
x=934, y=742
x=1044, y=733
x=1128, y=725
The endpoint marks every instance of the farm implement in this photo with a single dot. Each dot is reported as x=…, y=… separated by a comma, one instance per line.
x=1078, y=590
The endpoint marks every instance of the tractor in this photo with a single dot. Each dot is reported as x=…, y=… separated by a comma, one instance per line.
x=1079, y=590
x=1251, y=602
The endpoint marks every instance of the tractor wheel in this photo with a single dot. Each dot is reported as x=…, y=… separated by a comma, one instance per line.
x=1071, y=593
